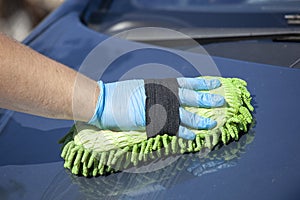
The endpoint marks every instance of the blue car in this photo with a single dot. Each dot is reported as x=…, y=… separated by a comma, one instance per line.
x=255, y=40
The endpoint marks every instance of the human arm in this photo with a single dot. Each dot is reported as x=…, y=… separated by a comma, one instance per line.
x=35, y=84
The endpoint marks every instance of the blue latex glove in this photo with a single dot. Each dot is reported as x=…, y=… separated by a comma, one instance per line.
x=121, y=105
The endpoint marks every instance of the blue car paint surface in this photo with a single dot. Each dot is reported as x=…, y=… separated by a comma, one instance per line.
x=268, y=168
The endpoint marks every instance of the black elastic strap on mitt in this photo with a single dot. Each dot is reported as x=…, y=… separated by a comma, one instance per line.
x=162, y=107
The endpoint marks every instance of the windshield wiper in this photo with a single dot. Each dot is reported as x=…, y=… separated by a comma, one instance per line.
x=213, y=35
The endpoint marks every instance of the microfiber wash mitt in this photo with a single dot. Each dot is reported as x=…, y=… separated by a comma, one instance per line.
x=90, y=151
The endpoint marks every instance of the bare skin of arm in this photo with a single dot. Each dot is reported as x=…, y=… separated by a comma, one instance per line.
x=35, y=84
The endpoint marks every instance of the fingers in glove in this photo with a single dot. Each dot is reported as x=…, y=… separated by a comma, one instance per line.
x=199, y=99
x=195, y=121
x=198, y=83
x=186, y=133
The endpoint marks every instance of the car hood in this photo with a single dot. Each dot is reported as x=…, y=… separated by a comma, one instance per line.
x=264, y=164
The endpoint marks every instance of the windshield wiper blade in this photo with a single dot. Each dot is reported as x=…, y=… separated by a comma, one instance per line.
x=209, y=35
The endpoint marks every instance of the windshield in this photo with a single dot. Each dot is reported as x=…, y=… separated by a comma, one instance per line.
x=221, y=5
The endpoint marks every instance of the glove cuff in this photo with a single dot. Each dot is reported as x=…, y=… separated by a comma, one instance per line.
x=99, y=106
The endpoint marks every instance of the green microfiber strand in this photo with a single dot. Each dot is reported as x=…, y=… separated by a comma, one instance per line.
x=90, y=151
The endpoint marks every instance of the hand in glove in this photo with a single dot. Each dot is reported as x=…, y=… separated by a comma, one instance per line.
x=155, y=106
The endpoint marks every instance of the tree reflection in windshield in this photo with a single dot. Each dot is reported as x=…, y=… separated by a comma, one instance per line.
x=227, y=5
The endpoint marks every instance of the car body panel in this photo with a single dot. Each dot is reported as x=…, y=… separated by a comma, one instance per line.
x=267, y=168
